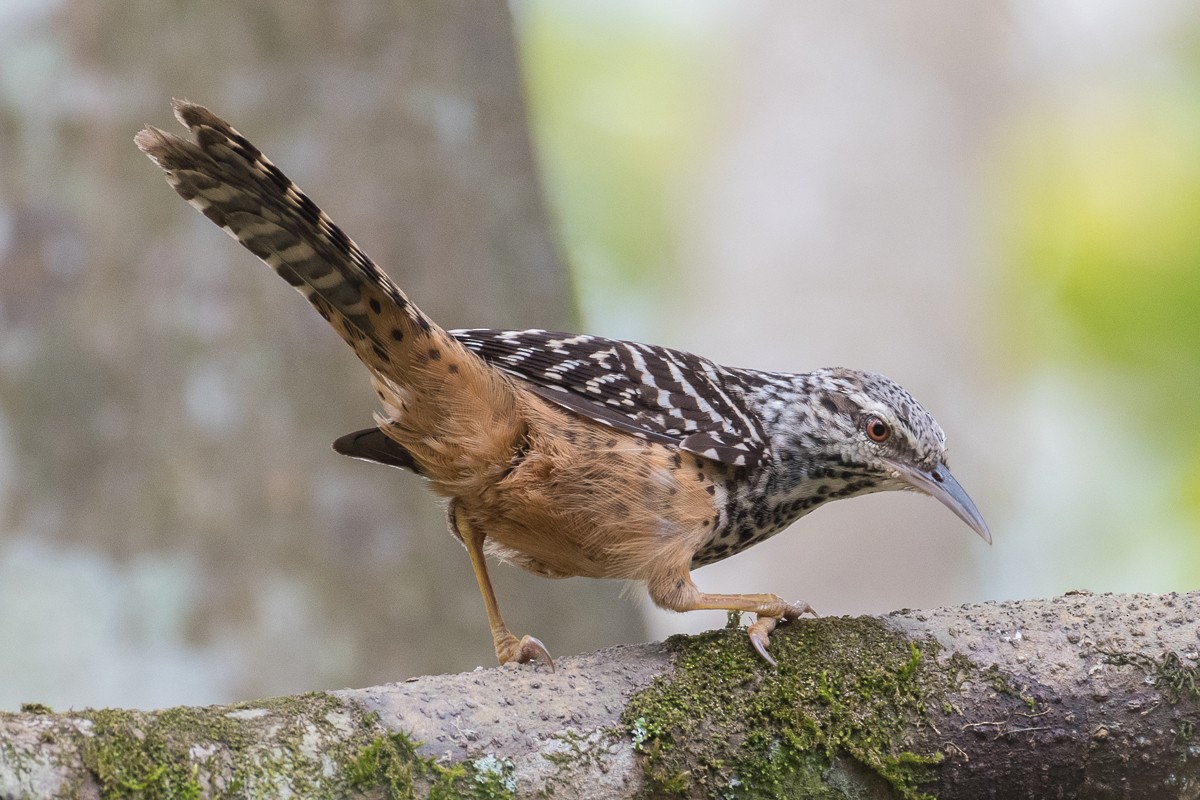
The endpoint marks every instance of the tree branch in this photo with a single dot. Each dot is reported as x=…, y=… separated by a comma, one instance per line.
x=1082, y=695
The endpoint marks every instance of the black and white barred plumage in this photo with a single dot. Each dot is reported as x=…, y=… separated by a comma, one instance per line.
x=653, y=392
x=777, y=432
x=778, y=444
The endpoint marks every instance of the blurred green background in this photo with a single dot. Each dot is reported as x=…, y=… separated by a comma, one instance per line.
x=993, y=205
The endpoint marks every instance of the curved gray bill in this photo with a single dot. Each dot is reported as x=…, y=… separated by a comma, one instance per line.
x=939, y=483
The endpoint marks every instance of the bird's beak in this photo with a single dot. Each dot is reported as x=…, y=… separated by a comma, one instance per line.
x=940, y=484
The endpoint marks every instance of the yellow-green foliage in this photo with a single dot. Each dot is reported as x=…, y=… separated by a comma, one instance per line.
x=619, y=109
x=1101, y=197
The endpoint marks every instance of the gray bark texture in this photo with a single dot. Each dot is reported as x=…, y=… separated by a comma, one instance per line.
x=1077, y=696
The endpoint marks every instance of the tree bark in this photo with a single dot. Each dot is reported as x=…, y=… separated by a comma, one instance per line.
x=1077, y=696
x=171, y=403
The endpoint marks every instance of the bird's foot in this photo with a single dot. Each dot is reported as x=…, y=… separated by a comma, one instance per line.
x=764, y=624
x=523, y=650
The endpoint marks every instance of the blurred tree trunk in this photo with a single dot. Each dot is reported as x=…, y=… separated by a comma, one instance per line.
x=177, y=399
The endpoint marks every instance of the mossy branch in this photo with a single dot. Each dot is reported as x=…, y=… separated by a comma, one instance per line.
x=1082, y=695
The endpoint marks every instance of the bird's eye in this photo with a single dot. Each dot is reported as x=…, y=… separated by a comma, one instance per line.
x=877, y=430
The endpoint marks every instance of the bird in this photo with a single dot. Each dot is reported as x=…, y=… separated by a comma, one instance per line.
x=571, y=454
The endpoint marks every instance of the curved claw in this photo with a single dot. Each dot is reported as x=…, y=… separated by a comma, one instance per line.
x=760, y=642
x=532, y=649
x=523, y=651
x=760, y=637
x=760, y=631
x=797, y=610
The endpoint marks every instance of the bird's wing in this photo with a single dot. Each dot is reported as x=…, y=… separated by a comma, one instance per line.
x=656, y=393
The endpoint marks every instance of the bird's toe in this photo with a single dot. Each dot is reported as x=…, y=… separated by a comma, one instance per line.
x=523, y=651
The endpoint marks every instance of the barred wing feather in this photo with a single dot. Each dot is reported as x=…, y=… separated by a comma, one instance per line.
x=656, y=393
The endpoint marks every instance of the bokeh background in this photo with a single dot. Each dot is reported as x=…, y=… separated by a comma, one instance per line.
x=996, y=204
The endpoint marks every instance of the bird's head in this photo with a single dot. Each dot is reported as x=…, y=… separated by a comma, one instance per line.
x=876, y=426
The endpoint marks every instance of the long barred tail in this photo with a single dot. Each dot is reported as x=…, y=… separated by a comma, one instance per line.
x=451, y=412
x=237, y=187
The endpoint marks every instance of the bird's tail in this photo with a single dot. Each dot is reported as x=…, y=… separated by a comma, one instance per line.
x=436, y=393
x=237, y=187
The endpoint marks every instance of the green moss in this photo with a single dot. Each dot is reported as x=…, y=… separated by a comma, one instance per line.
x=568, y=748
x=1170, y=675
x=36, y=708
x=182, y=752
x=312, y=746
x=1001, y=683
x=391, y=762
x=133, y=754
x=846, y=689
x=315, y=746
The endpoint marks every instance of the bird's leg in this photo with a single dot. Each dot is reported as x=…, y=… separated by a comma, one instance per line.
x=508, y=646
x=675, y=590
